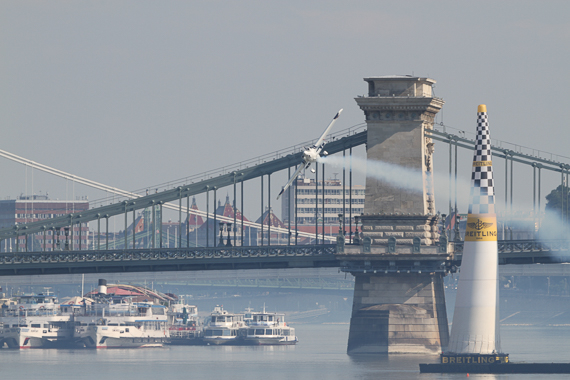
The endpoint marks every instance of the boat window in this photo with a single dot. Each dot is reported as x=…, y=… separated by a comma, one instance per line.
x=213, y=332
x=286, y=332
x=268, y=332
x=270, y=318
x=46, y=325
x=36, y=325
x=250, y=332
x=226, y=332
x=259, y=331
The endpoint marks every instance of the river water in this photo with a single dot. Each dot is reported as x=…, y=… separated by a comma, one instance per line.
x=320, y=354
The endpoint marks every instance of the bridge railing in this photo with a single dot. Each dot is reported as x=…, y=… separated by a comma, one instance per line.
x=167, y=259
x=236, y=167
x=461, y=135
x=525, y=251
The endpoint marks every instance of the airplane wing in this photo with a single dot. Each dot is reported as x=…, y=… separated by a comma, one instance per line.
x=301, y=167
x=322, y=139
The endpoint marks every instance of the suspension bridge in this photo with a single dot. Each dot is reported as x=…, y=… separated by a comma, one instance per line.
x=100, y=257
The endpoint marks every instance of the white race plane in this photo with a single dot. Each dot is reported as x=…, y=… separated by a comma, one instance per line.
x=311, y=154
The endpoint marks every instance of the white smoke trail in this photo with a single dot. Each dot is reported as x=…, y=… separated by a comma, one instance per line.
x=517, y=215
x=397, y=176
x=553, y=227
x=407, y=178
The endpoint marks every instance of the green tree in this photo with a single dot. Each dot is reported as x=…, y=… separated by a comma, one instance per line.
x=557, y=201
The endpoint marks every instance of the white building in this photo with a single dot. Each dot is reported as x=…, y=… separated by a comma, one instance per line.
x=310, y=194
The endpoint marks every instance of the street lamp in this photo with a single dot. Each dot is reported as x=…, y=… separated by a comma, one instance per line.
x=356, y=237
x=229, y=244
x=57, y=242
x=221, y=237
x=66, y=229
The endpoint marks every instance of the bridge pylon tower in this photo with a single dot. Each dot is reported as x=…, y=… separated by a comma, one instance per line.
x=399, y=304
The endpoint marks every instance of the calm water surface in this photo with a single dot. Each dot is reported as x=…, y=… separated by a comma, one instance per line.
x=320, y=354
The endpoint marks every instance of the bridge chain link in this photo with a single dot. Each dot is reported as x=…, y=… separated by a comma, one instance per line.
x=165, y=254
x=525, y=246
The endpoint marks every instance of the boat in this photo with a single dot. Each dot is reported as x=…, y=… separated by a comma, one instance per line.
x=223, y=327
x=35, y=321
x=265, y=328
x=183, y=324
x=119, y=322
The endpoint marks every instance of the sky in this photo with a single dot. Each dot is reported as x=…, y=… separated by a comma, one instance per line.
x=137, y=93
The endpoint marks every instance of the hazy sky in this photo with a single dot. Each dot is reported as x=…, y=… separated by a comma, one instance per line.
x=136, y=93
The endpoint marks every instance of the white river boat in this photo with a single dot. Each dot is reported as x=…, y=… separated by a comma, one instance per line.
x=118, y=322
x=35, y=321
x=223, y=327
x=265, y=328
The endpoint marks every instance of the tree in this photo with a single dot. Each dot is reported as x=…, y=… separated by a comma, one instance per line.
x=558, y=202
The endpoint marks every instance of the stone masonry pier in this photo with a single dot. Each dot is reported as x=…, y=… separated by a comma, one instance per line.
x=399, y=304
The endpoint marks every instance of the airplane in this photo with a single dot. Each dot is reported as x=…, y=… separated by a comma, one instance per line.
x=311, y=154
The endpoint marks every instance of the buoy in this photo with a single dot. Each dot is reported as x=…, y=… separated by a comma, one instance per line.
x=467, y=375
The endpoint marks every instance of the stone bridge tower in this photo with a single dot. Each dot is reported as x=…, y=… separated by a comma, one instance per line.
x=399, y=304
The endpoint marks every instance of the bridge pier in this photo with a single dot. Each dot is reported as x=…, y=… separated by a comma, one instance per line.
x=398, y=313
x=399, y=304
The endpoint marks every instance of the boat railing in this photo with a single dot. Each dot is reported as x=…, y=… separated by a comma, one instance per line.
x=23, y=312
x=184, y=333
x=98, y=311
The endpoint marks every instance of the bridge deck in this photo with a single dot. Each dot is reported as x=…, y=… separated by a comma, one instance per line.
x=158, y=260
x=265, y=257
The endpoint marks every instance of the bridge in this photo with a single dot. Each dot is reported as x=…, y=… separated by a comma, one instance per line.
x=266, y=257
x=104, y=259
x=232, y=176
x=372, y=251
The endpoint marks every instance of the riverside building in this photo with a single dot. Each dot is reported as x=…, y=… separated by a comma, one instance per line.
x=309, y=196
x=31, y=208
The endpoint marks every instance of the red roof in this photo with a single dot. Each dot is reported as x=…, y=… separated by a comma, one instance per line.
x=195, y=220
x=269, y=218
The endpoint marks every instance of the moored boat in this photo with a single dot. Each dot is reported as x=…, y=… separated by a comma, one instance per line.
x=118, y=322
x=183, y=324
x=267, y=329
x=223, y=327
x=35, y=321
